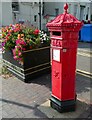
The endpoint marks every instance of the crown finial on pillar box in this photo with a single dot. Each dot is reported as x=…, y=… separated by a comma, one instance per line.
x=65, y=7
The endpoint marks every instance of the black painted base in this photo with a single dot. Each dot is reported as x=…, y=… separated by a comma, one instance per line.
x=36, y=63
x=28, y=78
x=63, y=106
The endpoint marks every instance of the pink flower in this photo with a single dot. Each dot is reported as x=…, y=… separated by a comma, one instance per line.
x=36, y=32
x=5, y=30
x=10, y=25
x=21, y=42
x=20, y=59
x=16, y=47
x=10, y=31
x=19, y=53
x=7, y=38
x=17, y=41
x=15, y=57
x=15, y=30
x=8, y=34
x=14, y=52
x=23, y=49
x=19, y=47
x=6, y=27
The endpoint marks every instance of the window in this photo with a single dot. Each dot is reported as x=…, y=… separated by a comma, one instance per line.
x=56, y=11
x=87, y=13
x=91, y=17
x=15, y=6
x=35, y=18
x=35, y=2
x=75, y=10
x=87, y=17
x=43, y=8
x=69, y=8
x=82, y=9
x=15, y=15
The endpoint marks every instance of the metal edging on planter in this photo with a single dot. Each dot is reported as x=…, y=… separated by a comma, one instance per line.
x=9, y=66
x=35, y=49
x=37, y=66
x=37, y=70
x=22, y=76
x=5, y=62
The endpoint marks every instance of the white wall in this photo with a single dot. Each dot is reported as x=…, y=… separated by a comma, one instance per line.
x=6, y=13
x=51, y=6
x=91, y=11
x=74, y=8
x=24, y=12
x=27, y=12
x=0, y=14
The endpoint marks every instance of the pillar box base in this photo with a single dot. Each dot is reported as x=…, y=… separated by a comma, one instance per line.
x=63, y=106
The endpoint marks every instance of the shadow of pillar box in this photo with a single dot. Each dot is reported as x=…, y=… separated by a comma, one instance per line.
x=36, y=62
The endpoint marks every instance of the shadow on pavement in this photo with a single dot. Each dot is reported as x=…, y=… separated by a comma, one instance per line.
x=83, y=110
x=83, y=83
x=83, y=86
x=42, y=80
x=37, y=112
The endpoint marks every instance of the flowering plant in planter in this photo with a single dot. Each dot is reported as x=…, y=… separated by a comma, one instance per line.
x=19, y=38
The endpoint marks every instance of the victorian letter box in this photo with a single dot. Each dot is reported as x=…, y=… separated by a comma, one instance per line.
x=64, y=38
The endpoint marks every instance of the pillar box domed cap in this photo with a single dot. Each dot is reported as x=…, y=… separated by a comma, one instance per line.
x=64, y=19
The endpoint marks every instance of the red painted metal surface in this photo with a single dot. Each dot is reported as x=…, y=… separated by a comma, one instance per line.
x=64, y=39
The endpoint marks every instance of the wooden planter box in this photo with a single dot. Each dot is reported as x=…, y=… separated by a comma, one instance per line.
x=36, y=62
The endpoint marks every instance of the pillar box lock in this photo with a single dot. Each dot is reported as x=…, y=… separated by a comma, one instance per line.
x=64, y=31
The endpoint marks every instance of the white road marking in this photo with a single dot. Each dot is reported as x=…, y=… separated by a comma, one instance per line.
x=84, y=54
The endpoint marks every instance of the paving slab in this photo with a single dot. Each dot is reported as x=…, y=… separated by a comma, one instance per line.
x=21, y=100
x=85, y=46
x=52, y=113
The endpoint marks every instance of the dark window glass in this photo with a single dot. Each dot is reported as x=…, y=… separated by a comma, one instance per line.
x=15, y=6
x=56, y=33
x=56, y=11
x=35, y=18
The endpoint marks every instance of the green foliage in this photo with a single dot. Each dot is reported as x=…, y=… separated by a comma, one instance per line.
x=19, y=38
x=5, y=73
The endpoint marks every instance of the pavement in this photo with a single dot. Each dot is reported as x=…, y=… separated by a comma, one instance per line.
x=84, y=55
x=85, y=46
x=31, y=100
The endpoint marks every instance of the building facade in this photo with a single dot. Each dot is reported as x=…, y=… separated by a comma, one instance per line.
x=6, y=14
x=81, y=10
x=15, y=12
x=39, y=13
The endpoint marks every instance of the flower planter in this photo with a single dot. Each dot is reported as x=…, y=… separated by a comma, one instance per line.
x=36, y=62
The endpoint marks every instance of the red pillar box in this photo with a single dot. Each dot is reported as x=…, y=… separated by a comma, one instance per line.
x=64, y=39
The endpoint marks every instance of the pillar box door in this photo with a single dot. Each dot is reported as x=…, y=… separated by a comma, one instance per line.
x=64, y=31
